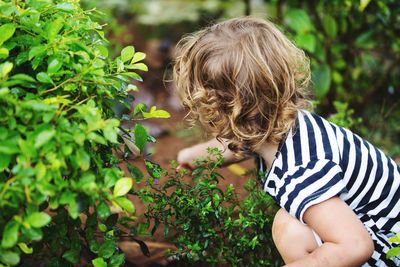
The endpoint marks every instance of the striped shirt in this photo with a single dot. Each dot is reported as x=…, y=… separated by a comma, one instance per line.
x=319, y=160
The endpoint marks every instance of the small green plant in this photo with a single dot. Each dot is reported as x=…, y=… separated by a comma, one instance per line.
x=344, y=116
x=63, y=198
x=395, y=251
x=210, y=225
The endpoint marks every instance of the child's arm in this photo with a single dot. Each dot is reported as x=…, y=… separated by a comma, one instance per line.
x=346, y=240
x=187, y=155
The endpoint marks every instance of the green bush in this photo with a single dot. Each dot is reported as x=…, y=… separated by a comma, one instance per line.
x=60, y=185
x=354, y=51
x=209, y=225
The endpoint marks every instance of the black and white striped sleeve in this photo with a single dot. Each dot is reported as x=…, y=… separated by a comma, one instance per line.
x=310, y=184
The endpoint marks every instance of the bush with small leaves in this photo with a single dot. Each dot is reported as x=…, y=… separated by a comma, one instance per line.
x=209, y=225
x=60, y=184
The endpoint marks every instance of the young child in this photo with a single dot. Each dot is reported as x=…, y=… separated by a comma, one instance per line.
x=248, y=85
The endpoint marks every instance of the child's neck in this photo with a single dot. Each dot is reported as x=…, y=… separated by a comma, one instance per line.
x=268, y=151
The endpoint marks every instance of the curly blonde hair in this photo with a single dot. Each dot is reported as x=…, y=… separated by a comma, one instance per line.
x=243, y=80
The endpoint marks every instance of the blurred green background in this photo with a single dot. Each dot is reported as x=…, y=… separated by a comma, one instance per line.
x=354, y=47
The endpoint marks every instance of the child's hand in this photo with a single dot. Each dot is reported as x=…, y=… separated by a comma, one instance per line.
x=186, y=166
x=184, y=157
x=187, y=155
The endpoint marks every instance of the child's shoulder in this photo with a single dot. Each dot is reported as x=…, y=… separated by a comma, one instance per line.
x=312, y=139
x=313, y=121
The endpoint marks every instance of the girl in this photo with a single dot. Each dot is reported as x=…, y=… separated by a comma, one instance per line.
x=247, y=85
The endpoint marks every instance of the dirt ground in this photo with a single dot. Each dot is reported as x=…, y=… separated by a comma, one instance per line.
x=176, y=136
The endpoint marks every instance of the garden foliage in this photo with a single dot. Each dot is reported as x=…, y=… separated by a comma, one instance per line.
x=63, y=198
x=354, y=52
x=209, y=225
x=60, y=185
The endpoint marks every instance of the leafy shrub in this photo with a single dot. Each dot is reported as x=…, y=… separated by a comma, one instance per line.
x=210, y=225
x=354, y=56
x=344, y=116
x=59, y=178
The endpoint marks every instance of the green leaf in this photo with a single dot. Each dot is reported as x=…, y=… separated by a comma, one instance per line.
x=154, y=113
x=5, y=69
x=330, y=26
x=138, y=66
x=110, y=133
x=99, y=262
x=3, y=133
x=53, y=28
x=122, y=186
x=70, y=199
x=24, y=247
x=140, y=136
x=138, y=57
x=44, y=137
x=133, y=75
x=7, y=31
x=363, y=5
x=87, y=182
x=65, y=6
x=126, y=204
x=27, y=148
x=102, y=227
x=395, y=238
x=38, y=219
x=70, y=87
x=4, y=92
x=9, y=257
x=4, y=161
x=103, y=50
x=198, y=173
x=306, y=41
x=322, y=80
x=139, y=108
x=32, y=233
x=135, y=172
x=44, y=77
x=36, y=51
x=96, y=138
x=103, y=210
x=83, y=159
x=337, y=77
x=393, y=252
x=365, y=40
x=10, y=234
x=54, y=66
x=298, y=20
x=127, y=53
x=23, y=77
x=132, y=87
x=111, y=177
x=107, y=249
x=4, y=53
x=71, y=255
x=117, y=260
x=153, y=169
x=8, y=147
